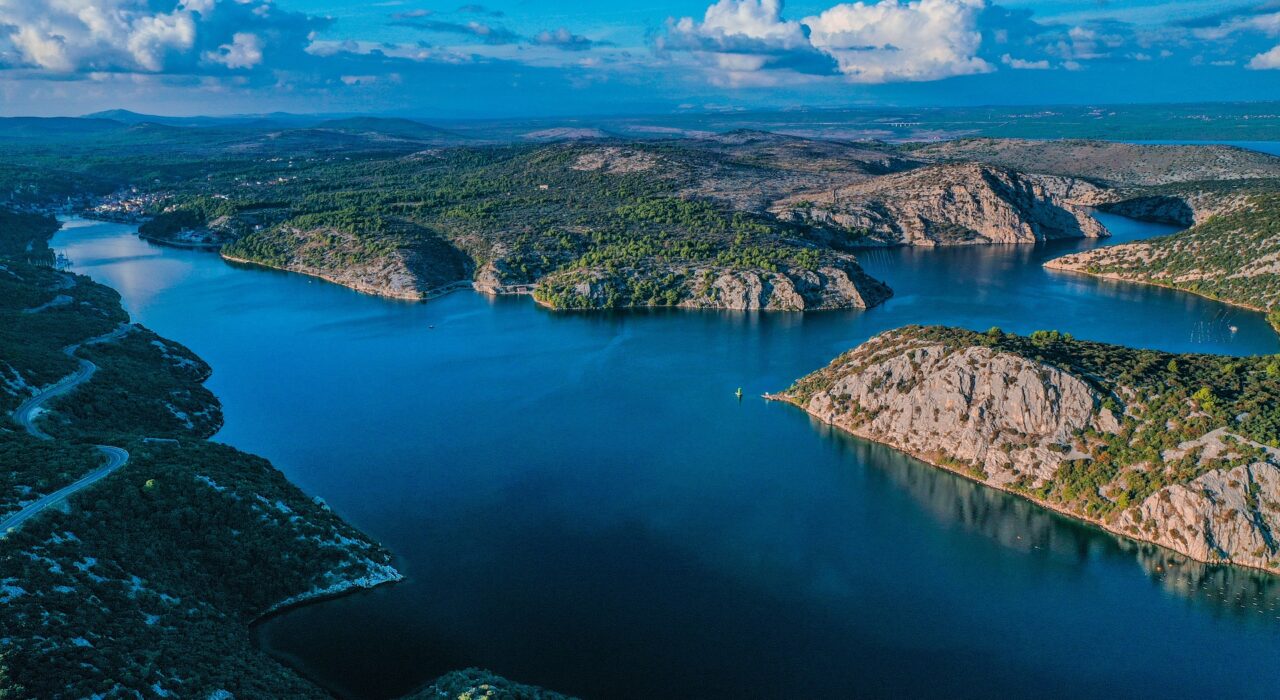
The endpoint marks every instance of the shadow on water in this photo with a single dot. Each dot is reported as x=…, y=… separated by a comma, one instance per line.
x=1242, y=594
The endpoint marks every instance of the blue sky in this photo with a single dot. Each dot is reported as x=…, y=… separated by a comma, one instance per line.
x=540, y=57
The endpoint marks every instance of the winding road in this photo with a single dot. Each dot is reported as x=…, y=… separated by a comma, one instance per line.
x=26, y=414
x=116, y=458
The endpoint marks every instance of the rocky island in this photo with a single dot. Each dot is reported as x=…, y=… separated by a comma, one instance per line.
x=1176, y=450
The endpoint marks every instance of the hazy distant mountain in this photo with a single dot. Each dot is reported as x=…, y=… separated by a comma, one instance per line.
x=125, y=116
x=389, y=126
x=277, y=119
x=30, y=127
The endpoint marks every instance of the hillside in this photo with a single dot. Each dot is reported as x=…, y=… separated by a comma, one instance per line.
x=398, y=260
x=1109, y=162
x=951, y=204
x=1178, y=450
x=1234, y=257
x=145, y=582
x=178, y=550
x=739, y=220
x=581, y=225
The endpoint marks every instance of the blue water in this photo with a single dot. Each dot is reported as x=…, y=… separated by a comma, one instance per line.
x=1268, y=147
x=579, y=501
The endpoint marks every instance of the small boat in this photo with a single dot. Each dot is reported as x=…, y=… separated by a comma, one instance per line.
x=739, y=393
x=1233, y=329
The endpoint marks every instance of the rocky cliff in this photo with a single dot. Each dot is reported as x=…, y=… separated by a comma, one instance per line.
x=836, y=282
x=401, y=267
x=1091, y=430
x=952, y=204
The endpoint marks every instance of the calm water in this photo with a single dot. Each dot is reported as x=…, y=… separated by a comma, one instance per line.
x=579, y=501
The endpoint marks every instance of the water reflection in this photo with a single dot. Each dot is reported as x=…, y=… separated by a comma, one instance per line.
x=1020, y=525
x=1241, y=594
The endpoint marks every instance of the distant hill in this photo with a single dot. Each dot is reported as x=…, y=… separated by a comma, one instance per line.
x=389, y=126
x=36, y=127
x=272, y=119
x=125, y=116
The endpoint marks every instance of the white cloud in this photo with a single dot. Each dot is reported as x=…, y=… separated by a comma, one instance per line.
x=244, y=51
x=738, y=39
x=70, y=35
x=1269, y=60
x=888, y=41
x=151, y=37
x=1267, y=23
x=63, y=38
x=43, y=49
x=754, y=19
x=1023, y=64
x=892, y=41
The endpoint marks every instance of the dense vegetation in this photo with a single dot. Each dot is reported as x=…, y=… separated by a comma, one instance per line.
x=526, y=215
x=146, y=583
x=151, y=578
x=23, y=236
x=1234, y=257
x=71, y=309
x=509, y=216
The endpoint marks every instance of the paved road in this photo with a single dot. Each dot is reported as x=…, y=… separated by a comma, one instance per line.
x=26, y=415
x=116, y=458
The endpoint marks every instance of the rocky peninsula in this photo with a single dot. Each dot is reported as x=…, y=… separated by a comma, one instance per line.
x=1168, y=449
x=1233, y=257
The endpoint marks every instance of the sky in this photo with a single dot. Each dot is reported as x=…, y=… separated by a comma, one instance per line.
x=525, y=58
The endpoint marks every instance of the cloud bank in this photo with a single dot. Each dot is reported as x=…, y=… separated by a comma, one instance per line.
x=734, y=49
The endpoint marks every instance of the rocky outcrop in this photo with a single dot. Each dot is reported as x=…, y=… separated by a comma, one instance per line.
x=1178, y=206
x=994, y=414
x=412, y=268
x=1224, y=514
x=479, y=684
x=1160, y=209
x=835, y=286
x=837, y=283
x=1027, y=426
x=952, y=204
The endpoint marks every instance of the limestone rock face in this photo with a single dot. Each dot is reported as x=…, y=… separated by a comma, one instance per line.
x=1013, y=422
x=1223, y=515
x=410, y=271
x=837, y=283
x=828, y=287
x=993, y=413
x=952, y=204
